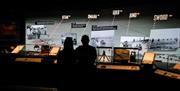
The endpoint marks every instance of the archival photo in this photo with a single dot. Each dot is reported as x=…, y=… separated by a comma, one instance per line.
x=104, y=54
x=142, y=43
x=165, y=40
x=72, y=35
x=102, y=38
x=36, y=32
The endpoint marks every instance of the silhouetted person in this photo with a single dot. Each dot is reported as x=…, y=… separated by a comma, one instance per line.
x=38, y=34
x=66, y=56
x=86, y=54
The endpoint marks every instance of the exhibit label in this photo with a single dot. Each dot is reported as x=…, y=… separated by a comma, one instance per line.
x=44, y=22
x=74, y=25
x=99, y=28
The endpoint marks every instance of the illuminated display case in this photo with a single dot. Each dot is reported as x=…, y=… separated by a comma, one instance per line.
x=118, y=58
x=167, y=65
x=121, y=55
x=104, y=55
x=169, y=62
x=39, y=54
x=126, y=55
x=118, y=55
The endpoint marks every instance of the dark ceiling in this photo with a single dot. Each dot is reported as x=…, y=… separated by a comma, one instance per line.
x=32, y=7
x=82, y=4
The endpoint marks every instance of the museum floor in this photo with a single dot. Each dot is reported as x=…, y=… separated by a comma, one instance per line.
x=66, y=78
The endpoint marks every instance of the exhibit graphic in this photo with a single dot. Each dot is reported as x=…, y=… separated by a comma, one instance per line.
x=164, y=39
x=167, y=58
x=36, y=35
x=72, y=35
x=102, y=38
x=142, y=43
x=121, y=55
x=104, y=54
x=35, y=31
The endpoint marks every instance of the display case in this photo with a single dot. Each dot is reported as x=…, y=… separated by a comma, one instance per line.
x=104, y=55
x=126, y=55
x=170, y=62
x=39, y=54
x=118, y=58
x=168, y=44
x=168, y=65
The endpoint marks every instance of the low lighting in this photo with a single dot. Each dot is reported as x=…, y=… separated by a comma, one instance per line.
x=55, y=61
x=170, y=15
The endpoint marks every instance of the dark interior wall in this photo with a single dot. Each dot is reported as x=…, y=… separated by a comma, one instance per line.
x=15, y=19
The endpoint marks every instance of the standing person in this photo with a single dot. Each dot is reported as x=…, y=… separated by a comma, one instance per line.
x=34, y=33
x=29, y=32
x=66, y=59
x=38, y=33
x=86, y=54
x=66, y=56
x=125, y=44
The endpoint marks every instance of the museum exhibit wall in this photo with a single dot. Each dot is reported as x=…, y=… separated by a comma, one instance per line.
x=138, y=27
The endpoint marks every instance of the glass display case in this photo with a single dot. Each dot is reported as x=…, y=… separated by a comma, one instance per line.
x=169, y=62
x=118, y=55
x=126, y=55
x=104, y=55
x=38, y=53
x=118, y=58
x=168, y=65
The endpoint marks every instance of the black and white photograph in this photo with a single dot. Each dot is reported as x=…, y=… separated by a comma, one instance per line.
x=36, y=31
x=36, y=35
x=164, y=39
x=102, y=38
x=104, y=54
x=168, y=44
x=72, y=35
x=142, y=43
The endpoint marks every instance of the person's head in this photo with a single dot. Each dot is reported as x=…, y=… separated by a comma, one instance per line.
x=28, y=27
x=36, y=47
x=68, y=43
x=85, y=40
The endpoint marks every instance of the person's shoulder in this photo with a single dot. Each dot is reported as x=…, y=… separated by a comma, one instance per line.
x=92, y=47
x=79, y=47
x=62, y=51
